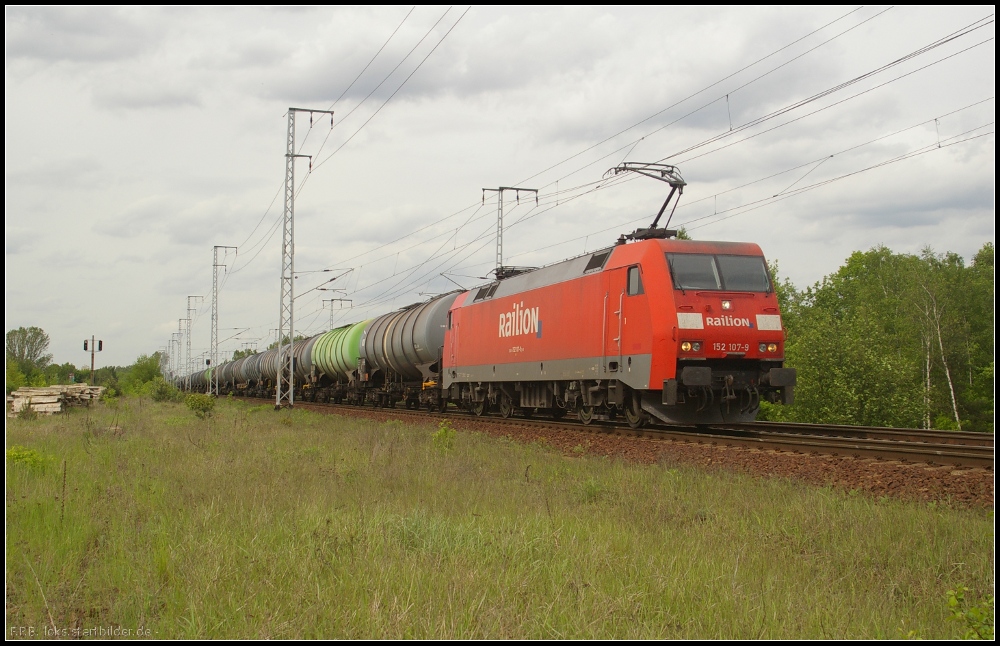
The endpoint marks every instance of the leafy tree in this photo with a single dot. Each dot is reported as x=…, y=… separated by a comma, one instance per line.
x=161, y=391
x=894, y=340
x=59, y=373
x=284, y=341
x=27, y=346
x=134, y=379
x=201, y=405
x=15, y=378
x=246, y=352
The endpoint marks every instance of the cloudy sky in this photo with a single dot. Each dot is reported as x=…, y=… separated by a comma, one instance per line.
x=138, y=138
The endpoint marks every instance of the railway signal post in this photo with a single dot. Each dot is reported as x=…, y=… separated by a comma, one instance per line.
x=99, y=347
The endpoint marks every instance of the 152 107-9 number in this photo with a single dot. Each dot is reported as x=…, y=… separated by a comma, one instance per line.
x=731, y=347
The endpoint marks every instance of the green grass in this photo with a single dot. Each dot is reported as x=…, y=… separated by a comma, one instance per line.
x=255, y=523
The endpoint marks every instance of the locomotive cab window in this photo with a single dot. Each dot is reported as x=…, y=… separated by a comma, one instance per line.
x=744, y=273
x=694, y=271
x=708, y=272
x=597, y=261
x=486, y=292
x=634, y=281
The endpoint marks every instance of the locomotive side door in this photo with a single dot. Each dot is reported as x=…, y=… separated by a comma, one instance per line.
x=614, y=321
x=452, y=335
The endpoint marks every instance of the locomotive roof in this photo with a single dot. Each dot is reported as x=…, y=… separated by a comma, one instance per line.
x=596, y=261
x=711, y=246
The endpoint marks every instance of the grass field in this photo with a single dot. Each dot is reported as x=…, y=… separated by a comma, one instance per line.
x=255, y=523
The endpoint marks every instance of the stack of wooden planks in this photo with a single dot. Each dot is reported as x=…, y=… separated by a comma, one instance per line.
x=51, y=399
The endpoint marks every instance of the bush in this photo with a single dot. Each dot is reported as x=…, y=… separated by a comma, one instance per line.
x=27, y=413
x=444, y=437
x=977, y=618
x=29, y=458
x=15, y=378
x=161, y=391
x=592, y=490
x=201, y=405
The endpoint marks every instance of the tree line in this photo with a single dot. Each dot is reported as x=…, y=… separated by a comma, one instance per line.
x=30, y=364
x=893, y=340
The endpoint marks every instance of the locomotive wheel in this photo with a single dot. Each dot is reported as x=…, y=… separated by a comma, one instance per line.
x=634, y=414
x=586, y=414
x=558, y=413
x=479, y=408
x=506, y=407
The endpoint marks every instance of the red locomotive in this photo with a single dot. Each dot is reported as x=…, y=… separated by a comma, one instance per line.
x=678, y=330
x=685, y=331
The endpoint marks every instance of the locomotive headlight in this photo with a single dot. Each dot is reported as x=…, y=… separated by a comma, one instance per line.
x=772, y=347
x=762, y=347
x=686, y=346
x=727, y=305
x=696, y=346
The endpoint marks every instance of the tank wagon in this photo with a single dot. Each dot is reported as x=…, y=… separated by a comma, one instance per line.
x=383, y=361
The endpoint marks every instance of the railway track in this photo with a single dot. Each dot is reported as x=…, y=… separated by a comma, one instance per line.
x=904, y=445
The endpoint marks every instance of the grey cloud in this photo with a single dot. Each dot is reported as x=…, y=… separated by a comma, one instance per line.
x=926, y=206
x=261, y=51
x=17, y=242
x=140, y=94
x=466, y=64
x=77, y=34
x=71, y=172
x=141, y=217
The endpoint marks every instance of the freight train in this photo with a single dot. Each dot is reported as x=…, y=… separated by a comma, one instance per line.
x=674, y=330
x=653, y=328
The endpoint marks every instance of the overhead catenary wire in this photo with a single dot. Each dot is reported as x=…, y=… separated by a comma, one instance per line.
x=753, y=205
x=829, y=91
x=268, y=236
x=759, y=60
x=780, y=49
x=812, y=162
x=365, y=68
x=738, y=210
x=530, y=214
x=598, y=186
x=784, y=196
x=419, y=65
x=646, y=119
x=391, y=293
x=386, y=78
x=690, y=96
x=775, y=113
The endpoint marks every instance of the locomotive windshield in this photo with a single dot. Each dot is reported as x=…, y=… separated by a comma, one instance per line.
x=721, y=273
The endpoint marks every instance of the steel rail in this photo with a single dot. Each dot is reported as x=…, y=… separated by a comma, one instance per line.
x=963, y=438
x=868, y=442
